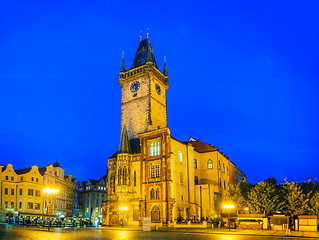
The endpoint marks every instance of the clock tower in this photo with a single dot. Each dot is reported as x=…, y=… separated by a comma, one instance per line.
x=143, y=104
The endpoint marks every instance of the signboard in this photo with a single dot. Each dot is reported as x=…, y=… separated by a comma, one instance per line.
x=146, y=224
x=50, y=209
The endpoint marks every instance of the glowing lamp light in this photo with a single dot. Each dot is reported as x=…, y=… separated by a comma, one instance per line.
x=50, y=191
x=246, y=208
x=228, y=206
x=123, y=208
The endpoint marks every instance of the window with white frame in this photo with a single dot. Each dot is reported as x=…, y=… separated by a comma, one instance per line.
x=209, y=164
x=154, y=148
x=158, y=171
x=152, y=171
x=155, y=171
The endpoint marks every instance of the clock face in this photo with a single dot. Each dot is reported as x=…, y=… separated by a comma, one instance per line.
x=158, y=89
x=135, y=86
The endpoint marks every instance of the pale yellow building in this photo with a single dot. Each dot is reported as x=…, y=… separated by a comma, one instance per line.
x=21, y=191
x=154, y=174
x=53, y=177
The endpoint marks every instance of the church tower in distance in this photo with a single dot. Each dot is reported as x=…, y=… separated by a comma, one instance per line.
x=143, y=106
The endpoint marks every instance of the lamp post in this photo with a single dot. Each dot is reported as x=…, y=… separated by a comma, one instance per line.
x=228, y=207
x=51, y=192
x=123, y=209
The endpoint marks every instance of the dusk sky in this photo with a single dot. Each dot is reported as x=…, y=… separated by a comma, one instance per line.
x=243, y=76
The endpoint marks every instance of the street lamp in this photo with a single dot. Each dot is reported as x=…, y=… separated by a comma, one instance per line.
x=229, y=207
x=123, y=209
x=51, y=192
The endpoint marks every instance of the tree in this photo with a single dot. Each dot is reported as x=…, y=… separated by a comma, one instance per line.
x=294, y=201
x=314, y=203
x=239, y=195
x=264, y=197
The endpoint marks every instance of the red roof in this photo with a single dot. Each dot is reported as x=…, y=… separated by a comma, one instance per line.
x=202, y=147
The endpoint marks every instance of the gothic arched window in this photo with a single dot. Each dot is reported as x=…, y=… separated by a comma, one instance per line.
x=134, y=178
x=119, y=176
x=112, y=182
x=124, y=175
x=158, y=193
x=152, y=193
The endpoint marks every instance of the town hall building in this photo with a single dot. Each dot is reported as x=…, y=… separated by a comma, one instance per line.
x=152, y=173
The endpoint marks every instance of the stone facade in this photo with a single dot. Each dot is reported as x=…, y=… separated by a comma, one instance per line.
x=153, y=174
x=92, y=194
x=138, y=108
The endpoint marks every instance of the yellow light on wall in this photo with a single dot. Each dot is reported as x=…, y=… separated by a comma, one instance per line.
x=228, y=206
x=50, y=191
x=123, y=208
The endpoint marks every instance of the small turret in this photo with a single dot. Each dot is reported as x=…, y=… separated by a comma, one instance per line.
x=165, y=68
x=122, y=65
x=125, y=146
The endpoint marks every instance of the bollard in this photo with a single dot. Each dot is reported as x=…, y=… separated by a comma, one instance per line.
x=288, y=231
x=155, y=228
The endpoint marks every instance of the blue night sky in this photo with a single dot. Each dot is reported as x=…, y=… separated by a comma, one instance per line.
x=243, y=76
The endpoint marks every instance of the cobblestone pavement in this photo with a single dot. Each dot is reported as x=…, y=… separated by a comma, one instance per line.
x=13, y=232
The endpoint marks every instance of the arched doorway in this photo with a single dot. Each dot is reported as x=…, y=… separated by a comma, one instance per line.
x=156, y=214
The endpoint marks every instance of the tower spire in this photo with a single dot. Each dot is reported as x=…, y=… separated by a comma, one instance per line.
x=144, y=54
x=125, y=146
x=122, y=65
x=165, y=68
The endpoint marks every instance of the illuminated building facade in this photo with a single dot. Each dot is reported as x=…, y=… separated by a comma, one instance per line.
x=92, y=195
x=21, y=191
x=153, y=174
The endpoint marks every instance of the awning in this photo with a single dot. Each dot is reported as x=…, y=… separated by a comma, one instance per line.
x=25, y=214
